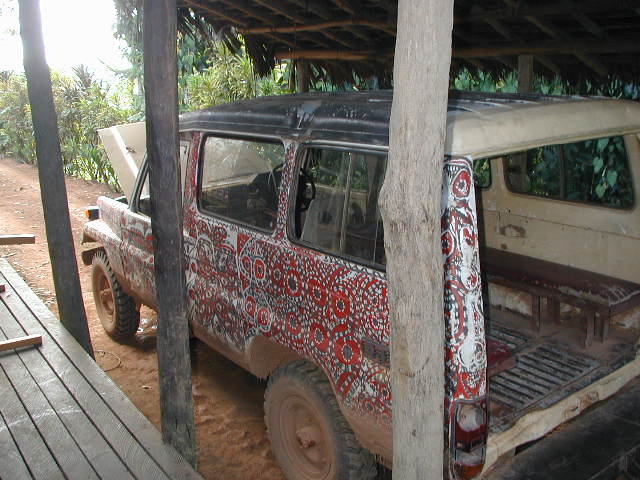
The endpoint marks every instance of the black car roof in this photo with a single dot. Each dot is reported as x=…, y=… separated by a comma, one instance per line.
x=346, y=117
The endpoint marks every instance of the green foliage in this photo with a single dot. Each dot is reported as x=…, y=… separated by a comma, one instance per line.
x=482, y=173
x=485, y=82
x=83, y=105
x=229, y=78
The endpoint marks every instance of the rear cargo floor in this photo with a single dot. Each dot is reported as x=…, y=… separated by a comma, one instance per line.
x=542, y=368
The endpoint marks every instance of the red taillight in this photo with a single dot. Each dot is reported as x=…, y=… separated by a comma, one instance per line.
x=92, y=213
x=468, y=442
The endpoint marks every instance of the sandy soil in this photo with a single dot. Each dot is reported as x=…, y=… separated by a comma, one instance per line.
x=232, y=442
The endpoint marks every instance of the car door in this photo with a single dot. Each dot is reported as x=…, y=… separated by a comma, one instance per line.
x=137, y=236
x=342, y=316
x=236, y=218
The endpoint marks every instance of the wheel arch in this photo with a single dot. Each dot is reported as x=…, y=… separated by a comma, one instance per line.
x=265, y=356
x=87, y=255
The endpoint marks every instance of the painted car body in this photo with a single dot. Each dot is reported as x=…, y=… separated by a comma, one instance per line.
x=264, y=299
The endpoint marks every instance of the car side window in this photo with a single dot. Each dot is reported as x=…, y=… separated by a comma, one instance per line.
x=337, y=203
x=143, y=200
x=593, y=171
x=240, y=180
x=482, y=173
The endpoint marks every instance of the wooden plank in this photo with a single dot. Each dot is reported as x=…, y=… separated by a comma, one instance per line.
x=52, y=187
x=17, y=239
x=104, y=403
x=590, y=326
x=12, y=465
x=90, y=441
x=553, y=310
x=29, y=442
x=592, y=446
x=117, y=435
x=60, y=443
x=24, y=341
x=161, y=106
x=535, y=312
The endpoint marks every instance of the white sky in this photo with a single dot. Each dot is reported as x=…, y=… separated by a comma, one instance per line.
x=75, y=32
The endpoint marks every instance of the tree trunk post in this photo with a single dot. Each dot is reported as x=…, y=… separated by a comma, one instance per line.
x=161, y=95
x=525, y=73
x=52, y=188
x=411, y=208
x=302, y=76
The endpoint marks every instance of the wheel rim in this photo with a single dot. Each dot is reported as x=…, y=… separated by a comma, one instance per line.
x=305, y=438
x=104, y=298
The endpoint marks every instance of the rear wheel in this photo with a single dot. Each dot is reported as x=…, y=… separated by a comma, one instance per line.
x=117, y=311
x=309, y=436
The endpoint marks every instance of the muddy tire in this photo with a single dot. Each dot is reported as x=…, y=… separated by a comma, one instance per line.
x=309, y=436
x=117, y=311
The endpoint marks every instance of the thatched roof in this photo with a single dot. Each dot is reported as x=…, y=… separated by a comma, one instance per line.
x=588, y=39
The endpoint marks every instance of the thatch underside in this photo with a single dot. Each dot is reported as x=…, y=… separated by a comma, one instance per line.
x=578, y=40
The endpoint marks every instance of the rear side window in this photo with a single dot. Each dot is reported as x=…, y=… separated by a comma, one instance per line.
x=240, y=180
x=337, y=203
x=592, y=171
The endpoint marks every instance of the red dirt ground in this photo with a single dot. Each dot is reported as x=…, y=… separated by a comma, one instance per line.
x=232, y=442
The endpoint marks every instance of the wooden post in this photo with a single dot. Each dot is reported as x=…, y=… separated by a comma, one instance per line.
x=302, y=76
x=410, y=202
x=52, y=188
x=525, y=73
x=161, y=95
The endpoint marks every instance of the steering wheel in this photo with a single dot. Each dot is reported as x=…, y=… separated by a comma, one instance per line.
x=306, y=191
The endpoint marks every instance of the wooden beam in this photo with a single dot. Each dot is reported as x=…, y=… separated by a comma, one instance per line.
x=161, y=105
x=314, y=27
x=582, y=18
x=303, y=77
x=26, y=341
x=285, y=10
x=320, y=9
x=349, y=7
x=234, y=21
x=525, y=73
x=550, y=48
x=332, y=54
x=410, y=205
x=557, y=34
x=52, y=188
x=524, y=9
x=20, y=239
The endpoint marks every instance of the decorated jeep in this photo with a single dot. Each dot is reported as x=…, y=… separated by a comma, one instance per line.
x=284, y=245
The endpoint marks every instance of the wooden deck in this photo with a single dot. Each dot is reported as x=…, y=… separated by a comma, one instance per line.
x=61, y=416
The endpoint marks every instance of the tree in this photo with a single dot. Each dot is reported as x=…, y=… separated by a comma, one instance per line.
x=410, y=203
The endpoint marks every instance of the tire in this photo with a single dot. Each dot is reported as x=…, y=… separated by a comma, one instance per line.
x=117, y=311
x=309, y=436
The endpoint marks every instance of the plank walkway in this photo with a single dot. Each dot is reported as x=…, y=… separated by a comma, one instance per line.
x=61, y=416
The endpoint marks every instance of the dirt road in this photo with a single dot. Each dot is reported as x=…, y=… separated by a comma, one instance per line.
x=232, y=442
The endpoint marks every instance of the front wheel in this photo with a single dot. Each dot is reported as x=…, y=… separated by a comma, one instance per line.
x=309, y=436
x=117, y=311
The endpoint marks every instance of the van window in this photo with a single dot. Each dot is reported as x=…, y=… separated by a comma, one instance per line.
x=240, y=180
x=142, y=202
x=482, y=172
x=592, y=171
x=337, y=203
